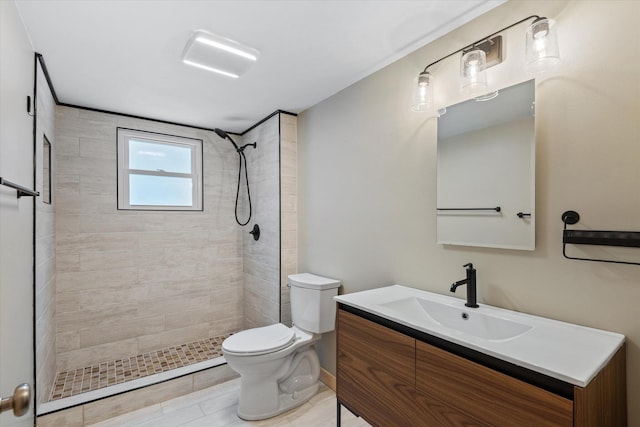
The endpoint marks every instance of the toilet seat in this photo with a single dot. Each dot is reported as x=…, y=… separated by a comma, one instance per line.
x=256, y=341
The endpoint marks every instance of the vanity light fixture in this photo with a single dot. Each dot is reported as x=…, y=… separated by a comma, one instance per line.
x=541, y=51
x=218, y=54
x=541, y=54
x=422, y=93
x=473, y=74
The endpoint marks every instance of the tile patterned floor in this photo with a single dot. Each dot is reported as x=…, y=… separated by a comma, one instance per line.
x=70, y=383
x=216, y=407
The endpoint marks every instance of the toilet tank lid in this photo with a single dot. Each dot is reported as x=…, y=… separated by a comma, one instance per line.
x=311, y=281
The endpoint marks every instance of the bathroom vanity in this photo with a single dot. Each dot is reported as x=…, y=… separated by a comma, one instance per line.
x=407, y=357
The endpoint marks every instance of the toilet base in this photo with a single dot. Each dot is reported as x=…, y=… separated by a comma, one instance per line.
x=273, y=383
x=286, y=402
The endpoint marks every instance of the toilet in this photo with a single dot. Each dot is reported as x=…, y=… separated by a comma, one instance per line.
x=278, y=365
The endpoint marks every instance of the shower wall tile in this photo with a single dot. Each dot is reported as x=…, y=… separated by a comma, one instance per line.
x=70, y=281
x=67, y=224
x=107, y=223
x=94, y=299
x=176, y=304
x=121, y=330
x=78, y=358
x=45, y=238
x=67, y=341
x=135, y=281
x=93, y=242
x=69, y=204
x=67, y=184
x=97, y=148
x=191, y=317
x=107, y=260
x=97, y=185
x=261, y=259
x=173, y=337
x=97, y=316
x=288, y=208
x=67, y=145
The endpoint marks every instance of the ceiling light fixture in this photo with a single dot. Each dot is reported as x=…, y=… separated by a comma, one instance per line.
x=541, y=55
x=227, y=48
x=215, y=70
x=219, y=54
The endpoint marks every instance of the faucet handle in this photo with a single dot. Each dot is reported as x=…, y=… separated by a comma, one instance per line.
x=469, y=265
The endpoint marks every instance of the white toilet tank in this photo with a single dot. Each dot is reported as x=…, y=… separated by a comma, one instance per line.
x=312, y=306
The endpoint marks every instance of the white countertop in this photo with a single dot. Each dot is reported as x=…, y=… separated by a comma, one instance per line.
x=568, y=352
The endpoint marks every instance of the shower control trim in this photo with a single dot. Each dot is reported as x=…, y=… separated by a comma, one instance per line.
x=255, y=232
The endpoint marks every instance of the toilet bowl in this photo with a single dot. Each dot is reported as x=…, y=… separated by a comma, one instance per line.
x=278, y=365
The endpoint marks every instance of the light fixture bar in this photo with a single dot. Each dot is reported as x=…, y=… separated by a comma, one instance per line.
x=226, y=48
x=482, y=40
x=215, y=70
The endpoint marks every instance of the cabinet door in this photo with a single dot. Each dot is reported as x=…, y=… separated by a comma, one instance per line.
x=482, y=396
x=376, y=371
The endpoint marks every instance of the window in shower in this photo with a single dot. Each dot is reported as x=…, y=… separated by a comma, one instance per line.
x=158, y=172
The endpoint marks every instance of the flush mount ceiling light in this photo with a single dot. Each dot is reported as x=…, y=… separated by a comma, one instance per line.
x=541, y=55
x=218, y=54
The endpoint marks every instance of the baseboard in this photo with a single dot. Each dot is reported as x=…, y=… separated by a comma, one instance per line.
x=328, y=379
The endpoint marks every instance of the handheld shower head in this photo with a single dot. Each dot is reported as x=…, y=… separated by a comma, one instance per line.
x=222, y=134
x=241, y=157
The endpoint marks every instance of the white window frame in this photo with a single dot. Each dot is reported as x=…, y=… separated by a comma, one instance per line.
x=125, y=135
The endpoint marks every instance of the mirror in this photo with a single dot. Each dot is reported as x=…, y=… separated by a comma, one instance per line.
x=486, y=171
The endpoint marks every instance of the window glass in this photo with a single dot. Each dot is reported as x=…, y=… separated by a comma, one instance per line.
x=160, y=190
x=154, y=156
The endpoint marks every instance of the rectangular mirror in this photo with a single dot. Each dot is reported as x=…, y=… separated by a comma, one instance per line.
x=486, y=171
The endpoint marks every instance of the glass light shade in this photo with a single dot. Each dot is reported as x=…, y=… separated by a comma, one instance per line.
x=422, y=92
x=541, y=52
x=473, y=74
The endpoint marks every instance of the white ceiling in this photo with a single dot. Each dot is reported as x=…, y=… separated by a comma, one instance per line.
x=125, y=55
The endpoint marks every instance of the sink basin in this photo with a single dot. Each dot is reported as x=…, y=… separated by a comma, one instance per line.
x=564, y=351
x=466, y=320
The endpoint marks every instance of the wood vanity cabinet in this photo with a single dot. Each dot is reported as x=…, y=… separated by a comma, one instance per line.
x=391, y=376
x=480, y=394
x=376, y=371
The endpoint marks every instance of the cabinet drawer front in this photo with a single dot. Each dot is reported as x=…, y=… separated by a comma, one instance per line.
x=375, y=371
x=485, y=395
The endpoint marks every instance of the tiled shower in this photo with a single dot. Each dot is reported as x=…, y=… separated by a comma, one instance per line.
x=125, y=294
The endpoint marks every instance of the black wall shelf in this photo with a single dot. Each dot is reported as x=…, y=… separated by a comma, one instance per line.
x=629, y=239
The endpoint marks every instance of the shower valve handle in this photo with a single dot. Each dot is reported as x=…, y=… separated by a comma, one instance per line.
x=255, y=232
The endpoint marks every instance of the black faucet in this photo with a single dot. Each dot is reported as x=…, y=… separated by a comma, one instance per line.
x=470, y=281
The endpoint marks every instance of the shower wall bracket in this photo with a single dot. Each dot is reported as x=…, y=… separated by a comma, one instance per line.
x=629, y=239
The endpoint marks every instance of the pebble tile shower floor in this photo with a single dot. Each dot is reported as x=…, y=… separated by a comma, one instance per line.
x=81, y=380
